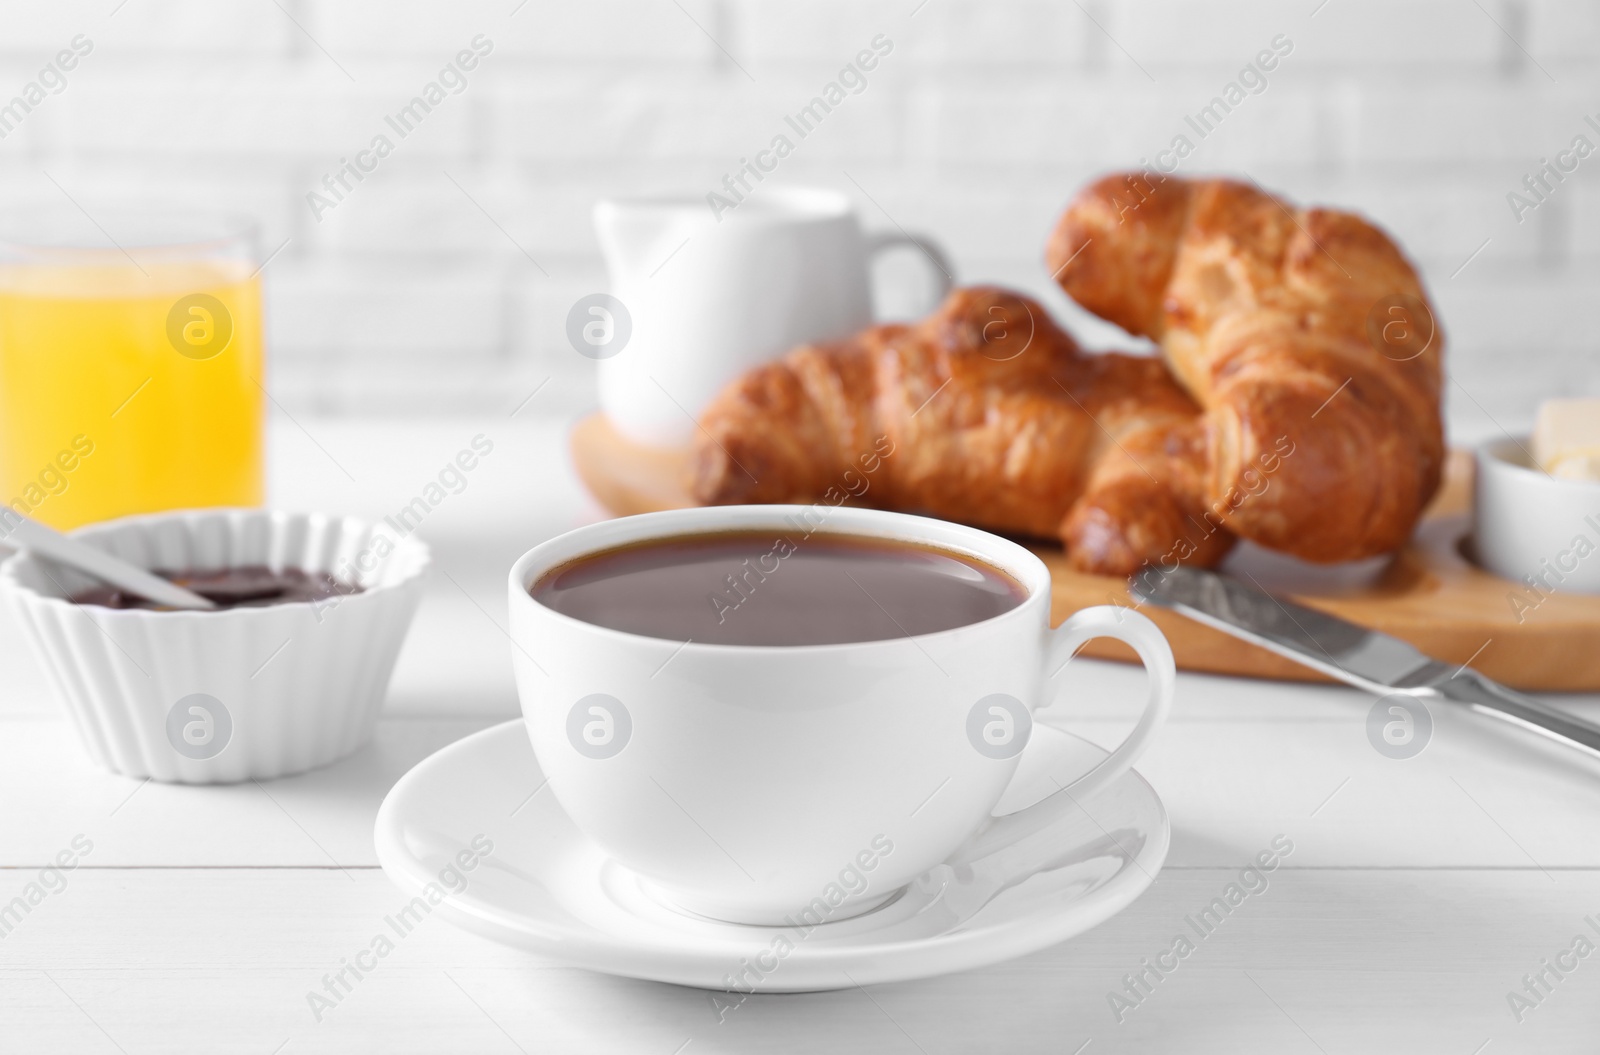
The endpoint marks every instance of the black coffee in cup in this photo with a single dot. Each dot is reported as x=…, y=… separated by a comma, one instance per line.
x=766, y=588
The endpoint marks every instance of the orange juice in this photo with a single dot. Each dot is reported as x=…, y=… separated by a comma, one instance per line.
x=129, y=387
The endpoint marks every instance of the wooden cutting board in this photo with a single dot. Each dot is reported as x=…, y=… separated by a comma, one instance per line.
x=1429, y=593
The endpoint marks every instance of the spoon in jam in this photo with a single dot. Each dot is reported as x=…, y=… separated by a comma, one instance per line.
x=33, y=536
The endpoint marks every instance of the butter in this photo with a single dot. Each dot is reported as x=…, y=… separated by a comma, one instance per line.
x=1566, y=438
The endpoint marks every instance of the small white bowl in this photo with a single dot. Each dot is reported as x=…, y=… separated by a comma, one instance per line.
x=1529, y=524
x=240, y=694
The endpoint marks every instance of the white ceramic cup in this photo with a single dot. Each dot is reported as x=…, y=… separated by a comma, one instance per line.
x=751, y=784
x=1528, y=523
x=707, y=298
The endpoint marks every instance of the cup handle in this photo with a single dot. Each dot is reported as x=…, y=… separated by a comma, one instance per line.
x=943, y=273
x=1146, y=640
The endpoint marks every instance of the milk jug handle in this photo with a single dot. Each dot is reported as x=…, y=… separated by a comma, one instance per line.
x=944, y=275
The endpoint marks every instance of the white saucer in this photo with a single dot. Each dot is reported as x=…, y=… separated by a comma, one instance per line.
x=545, y=888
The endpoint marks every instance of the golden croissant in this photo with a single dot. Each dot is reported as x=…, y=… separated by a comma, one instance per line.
x=1304, y=333
x=986, y=413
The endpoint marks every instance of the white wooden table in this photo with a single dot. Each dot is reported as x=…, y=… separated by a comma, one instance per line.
x=1417, y=896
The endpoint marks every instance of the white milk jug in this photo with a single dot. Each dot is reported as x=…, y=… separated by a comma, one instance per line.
x=705, y=299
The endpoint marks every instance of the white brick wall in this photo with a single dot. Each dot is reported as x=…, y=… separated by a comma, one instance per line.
x=979, y=125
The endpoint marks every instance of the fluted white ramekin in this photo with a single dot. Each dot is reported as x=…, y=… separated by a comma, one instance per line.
x=239, y=694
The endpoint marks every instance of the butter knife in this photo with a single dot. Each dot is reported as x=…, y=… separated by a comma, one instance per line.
x=1367, y=659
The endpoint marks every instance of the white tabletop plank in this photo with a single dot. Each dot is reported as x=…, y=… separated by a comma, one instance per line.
x=321, y=818
x=1345, y=961
x=1469, y=800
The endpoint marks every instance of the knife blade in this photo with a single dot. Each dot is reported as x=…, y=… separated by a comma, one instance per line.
x=1368, y=659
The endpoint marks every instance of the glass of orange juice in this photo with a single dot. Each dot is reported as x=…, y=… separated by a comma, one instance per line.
x=130, y=368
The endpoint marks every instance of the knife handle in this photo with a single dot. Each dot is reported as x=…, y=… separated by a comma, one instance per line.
x=1489, y=696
